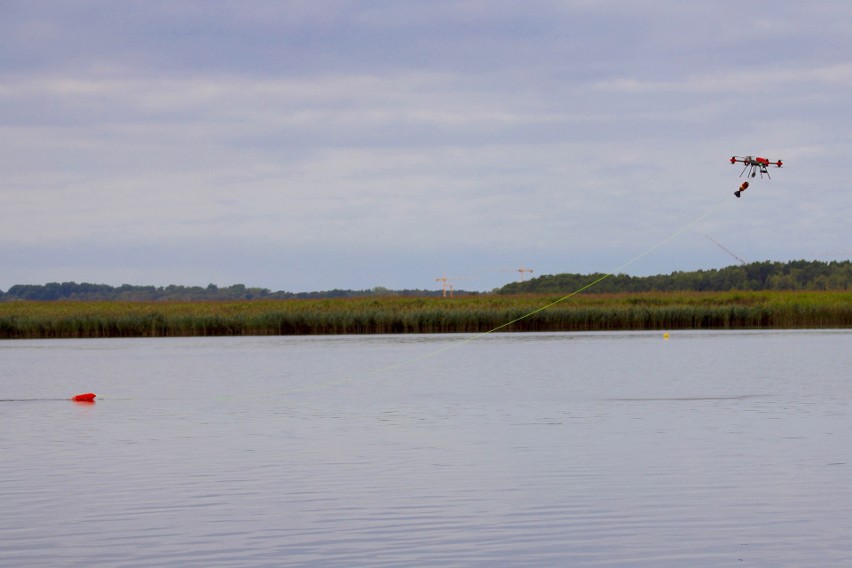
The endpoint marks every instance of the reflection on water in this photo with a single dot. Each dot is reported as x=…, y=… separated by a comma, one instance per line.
x=600, y=449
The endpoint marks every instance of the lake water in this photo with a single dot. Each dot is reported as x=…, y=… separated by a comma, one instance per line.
x=558, y=449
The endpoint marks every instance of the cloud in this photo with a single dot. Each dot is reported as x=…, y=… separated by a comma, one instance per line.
x=839, y=75
x=569, y=133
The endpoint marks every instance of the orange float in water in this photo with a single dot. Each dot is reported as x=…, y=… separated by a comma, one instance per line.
x=86, y=397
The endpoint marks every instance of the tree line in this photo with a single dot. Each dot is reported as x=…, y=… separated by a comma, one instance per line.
x=793, y=275
x=74, y=291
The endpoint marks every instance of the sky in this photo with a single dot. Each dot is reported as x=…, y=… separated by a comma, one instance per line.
x=314, y=145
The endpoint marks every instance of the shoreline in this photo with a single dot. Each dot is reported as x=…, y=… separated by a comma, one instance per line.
x=413, y=315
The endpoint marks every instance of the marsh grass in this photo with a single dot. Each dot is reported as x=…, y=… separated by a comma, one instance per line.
x=472, y=314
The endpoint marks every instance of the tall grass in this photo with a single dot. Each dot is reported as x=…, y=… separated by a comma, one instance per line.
x=587, y=312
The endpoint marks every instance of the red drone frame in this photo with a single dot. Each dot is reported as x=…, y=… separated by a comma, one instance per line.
x=755, y=164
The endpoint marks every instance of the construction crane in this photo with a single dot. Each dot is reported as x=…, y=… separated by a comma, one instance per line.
x=523, y=270
x=445, y=284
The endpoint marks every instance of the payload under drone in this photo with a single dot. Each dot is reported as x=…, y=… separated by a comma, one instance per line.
x=753, y=165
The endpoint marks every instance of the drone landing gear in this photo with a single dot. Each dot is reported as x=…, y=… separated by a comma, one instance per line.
x=753, y=170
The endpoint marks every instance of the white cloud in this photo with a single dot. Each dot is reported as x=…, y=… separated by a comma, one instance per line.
x=738, y=81
x=574, y=134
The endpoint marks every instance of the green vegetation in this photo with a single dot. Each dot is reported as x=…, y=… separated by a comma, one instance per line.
x=798, y=294
x=794, y=275
x=86, y=292
x=584, y=312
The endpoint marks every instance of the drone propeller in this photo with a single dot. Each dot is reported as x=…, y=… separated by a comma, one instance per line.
x=753, y=165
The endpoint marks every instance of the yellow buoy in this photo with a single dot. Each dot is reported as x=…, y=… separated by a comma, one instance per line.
x=666, y=335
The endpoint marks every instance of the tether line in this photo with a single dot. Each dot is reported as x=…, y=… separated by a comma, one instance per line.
x=460, y=343
x=455, y=345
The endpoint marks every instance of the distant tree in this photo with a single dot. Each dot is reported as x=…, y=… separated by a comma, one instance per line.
x=794, y=275
x=766, y=275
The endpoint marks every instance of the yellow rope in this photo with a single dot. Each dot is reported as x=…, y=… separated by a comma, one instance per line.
x=386, y=368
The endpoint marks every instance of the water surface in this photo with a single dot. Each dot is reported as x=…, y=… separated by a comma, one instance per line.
x=572, y=449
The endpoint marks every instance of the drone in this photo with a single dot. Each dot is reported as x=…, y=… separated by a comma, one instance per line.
x=753, y=165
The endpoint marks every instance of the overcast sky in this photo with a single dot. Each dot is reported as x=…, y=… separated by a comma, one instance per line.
x=314, y=145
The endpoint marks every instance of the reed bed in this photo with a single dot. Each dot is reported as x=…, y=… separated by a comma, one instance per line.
x=472, y=314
